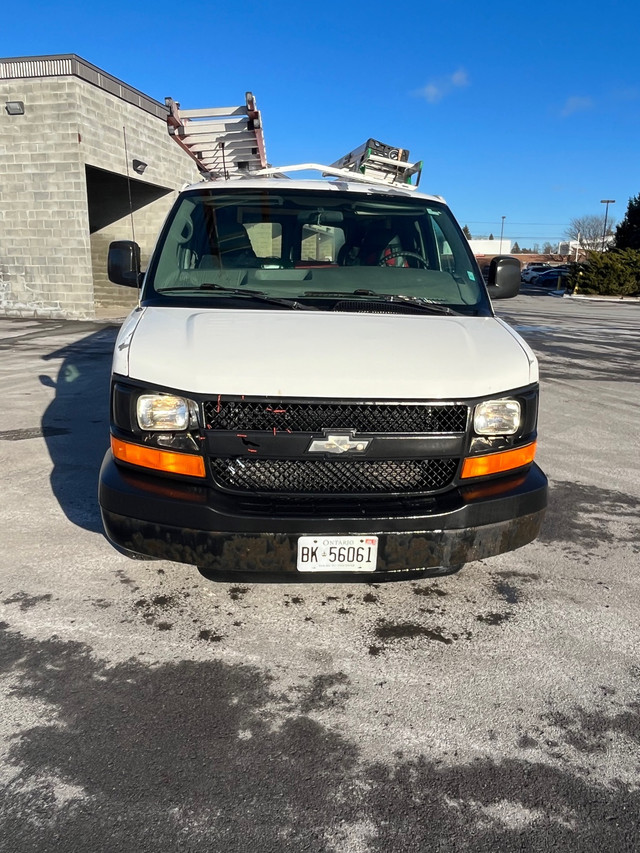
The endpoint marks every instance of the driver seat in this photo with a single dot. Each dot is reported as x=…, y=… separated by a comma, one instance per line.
x=378, y=242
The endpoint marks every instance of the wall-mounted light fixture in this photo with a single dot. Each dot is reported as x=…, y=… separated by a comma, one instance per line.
x=15, y=108
x=139, y=166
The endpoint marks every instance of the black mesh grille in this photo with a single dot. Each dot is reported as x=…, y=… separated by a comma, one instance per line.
x=244, y=415
x=328, y=477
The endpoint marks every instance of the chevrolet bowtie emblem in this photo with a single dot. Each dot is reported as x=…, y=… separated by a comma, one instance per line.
x=338, y=443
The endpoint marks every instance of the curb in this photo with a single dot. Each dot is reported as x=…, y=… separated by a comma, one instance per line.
x=616, y=300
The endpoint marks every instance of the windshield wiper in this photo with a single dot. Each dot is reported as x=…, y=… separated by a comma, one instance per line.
x=256, y=295
x=420, y=302
x=428, y=305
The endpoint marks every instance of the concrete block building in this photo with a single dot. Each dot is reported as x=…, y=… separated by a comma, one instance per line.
x=84, y=159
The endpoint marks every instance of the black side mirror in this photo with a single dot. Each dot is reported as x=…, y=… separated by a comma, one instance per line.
x=504, y=277
x=123, y=263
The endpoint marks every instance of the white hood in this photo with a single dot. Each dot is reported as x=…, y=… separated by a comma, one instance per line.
x=323, y=354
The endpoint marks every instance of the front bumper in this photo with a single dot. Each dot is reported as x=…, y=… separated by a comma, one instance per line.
x=174, y=520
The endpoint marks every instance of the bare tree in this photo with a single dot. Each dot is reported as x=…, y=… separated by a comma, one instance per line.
x=589, y=231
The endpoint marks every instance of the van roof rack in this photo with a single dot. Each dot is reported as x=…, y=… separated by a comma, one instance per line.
x=330, y=172
x=373, y=162
x=228, y=142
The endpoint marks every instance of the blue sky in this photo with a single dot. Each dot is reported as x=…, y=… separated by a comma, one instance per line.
x=528, y=111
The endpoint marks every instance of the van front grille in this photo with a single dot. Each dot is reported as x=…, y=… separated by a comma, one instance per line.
x=423, y=418
x=329, y=477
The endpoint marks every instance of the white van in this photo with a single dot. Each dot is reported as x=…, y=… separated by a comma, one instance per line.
x=314, y=381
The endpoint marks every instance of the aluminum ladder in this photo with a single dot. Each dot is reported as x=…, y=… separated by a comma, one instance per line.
x=225, y=142
x=386, y=163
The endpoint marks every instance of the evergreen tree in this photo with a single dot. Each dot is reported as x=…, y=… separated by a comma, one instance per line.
x=491, y=237
x=516, y=249
x=466, y=232
x=628, y=231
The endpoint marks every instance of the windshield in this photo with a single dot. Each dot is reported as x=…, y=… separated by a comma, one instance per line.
x=322, y=250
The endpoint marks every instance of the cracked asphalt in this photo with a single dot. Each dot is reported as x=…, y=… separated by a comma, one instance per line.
x=146, y=708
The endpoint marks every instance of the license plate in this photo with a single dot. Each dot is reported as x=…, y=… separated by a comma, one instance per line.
x=337, y=553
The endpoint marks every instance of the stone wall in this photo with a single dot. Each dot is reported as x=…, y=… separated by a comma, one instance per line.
x=56, y=214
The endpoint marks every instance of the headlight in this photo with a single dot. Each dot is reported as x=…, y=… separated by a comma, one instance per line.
x=163, y=412
x=497, y=417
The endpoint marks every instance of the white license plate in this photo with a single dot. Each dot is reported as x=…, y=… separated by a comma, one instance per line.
x=337, y=553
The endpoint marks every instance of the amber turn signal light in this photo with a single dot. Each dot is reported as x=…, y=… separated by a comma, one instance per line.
x=159, y=460
x=496, y=463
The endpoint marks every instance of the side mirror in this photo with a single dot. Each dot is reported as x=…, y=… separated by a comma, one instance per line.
x=504, y=277
x=123, y=263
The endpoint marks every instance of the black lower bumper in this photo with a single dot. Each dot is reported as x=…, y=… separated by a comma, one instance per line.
x=155, y=517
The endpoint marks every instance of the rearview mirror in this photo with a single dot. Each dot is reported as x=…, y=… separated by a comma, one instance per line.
x=504, y=277
x=321, y=217
x=123, y=263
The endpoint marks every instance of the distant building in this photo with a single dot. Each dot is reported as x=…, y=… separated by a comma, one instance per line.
x=490, y=247
x=579, y=250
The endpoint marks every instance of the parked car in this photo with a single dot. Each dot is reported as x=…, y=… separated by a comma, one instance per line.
x=532, y=271
x=554, y=277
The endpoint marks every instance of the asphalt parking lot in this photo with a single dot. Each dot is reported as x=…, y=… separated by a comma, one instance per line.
x=146, y=708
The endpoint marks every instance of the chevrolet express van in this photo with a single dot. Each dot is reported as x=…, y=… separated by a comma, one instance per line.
x=314, y=381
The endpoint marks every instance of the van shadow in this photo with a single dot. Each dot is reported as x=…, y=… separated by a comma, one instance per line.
x=205, y=755
x=75, y=425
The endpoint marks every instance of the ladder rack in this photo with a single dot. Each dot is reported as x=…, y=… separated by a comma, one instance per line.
x=228, y=142
x=225, y=142
x=330, y=171
x=371, y=163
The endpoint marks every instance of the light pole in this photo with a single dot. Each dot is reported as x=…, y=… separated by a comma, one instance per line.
x=501, y=233
x=606, y=201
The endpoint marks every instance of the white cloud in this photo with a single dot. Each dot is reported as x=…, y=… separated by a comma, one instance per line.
x=460, y=78
x=575, y=105
x=440, y=87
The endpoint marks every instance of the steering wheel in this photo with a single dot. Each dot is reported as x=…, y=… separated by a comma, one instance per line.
x=401, y=253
